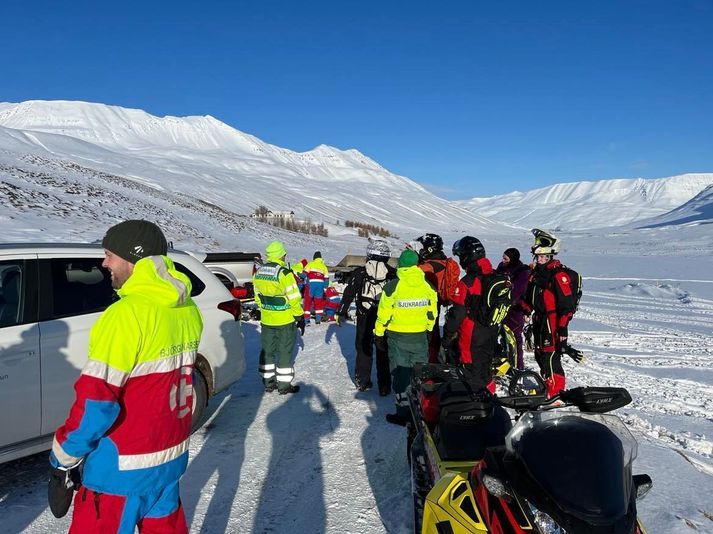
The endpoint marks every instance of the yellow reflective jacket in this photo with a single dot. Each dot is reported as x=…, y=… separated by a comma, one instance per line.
x=131, y=420
x=407, y=304
x=276, y=294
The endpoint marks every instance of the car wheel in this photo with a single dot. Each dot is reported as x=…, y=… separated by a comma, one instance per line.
x=200, y=400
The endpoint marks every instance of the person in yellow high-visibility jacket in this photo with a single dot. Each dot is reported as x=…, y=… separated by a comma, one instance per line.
x=281, y=315
x=407, y=311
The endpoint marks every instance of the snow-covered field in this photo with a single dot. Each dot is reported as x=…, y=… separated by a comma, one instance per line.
x=324, y=460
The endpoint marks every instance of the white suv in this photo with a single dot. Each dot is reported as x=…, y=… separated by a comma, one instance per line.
x=50, y=296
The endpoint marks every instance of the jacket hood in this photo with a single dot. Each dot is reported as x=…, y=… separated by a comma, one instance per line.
x=319, y=262
x=156, y=278
x=482, y=266
x=411, y=276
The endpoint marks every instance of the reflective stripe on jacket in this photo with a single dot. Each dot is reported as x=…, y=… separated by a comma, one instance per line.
x=277, y=294
x=132, y=416
x=407, y=304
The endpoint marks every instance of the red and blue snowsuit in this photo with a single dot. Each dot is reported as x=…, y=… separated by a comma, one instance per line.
x=331, y=302
x=318, y=281
x=131, y=420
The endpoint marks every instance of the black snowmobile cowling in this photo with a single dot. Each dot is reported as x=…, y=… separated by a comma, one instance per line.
x=556, y=470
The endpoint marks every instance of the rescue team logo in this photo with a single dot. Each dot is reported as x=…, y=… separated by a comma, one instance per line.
x=181, y=396
x=412, y=303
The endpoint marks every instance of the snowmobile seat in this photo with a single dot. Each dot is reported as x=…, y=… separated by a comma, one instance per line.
x=468, y=424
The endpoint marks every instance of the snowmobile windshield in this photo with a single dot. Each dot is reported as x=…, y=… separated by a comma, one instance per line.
x=582, y=461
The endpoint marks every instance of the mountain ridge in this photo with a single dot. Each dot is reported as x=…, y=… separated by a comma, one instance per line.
x=591, y=204
x=208, y=159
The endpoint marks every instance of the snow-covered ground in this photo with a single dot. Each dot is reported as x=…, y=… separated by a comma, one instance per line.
x=324, y=460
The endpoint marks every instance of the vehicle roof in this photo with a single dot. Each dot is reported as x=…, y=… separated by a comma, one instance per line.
x=28, y=247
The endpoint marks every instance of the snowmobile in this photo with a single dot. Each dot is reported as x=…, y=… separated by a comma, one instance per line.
x=563, y=467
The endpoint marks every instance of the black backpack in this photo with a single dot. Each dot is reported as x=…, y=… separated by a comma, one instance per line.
x=493, y=304
x=567, y=304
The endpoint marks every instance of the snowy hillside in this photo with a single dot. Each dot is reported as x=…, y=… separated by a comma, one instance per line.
x=208, y=159
x=698, y=210
x=581, y=205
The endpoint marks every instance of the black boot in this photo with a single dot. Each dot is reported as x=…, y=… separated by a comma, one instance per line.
x=288, y=389
x=363, y=386
x=269, y=388
x=396, y=419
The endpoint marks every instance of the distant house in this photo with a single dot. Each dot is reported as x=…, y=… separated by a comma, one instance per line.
x=269, y=214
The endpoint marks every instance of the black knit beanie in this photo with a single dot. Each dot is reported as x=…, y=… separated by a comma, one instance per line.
x=513, y=254
x=317, y=254
x=135, y=239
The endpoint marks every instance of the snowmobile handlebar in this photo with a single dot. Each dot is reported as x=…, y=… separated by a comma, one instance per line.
x=527, y=392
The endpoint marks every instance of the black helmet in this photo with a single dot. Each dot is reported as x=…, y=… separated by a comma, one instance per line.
x=432, y=244
x=469, y=249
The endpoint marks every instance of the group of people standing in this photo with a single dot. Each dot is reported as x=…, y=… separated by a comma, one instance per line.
x=144, y=346
x=398, y=309
x=403, y=305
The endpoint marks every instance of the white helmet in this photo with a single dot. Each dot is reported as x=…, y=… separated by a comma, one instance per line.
x=378, y=247
x=544, y=243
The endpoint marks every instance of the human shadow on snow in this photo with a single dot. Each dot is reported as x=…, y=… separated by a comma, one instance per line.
x=292, y=498
x=222, y=453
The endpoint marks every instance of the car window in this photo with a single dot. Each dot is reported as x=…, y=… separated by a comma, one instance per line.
x=80, y=286
x=197, y=285
x=11, y=293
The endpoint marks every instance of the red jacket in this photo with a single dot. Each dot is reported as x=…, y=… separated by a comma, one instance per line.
x=541, y=300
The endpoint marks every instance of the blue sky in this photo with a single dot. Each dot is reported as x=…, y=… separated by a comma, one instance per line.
x=469, y=98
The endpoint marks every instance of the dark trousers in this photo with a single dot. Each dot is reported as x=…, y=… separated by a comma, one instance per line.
x=434, y=341
x=276, y=355
x=405, y=350
x=364, y=343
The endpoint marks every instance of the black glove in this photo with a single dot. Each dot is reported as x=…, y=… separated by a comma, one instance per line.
x=442, y=355
x=300, y=323
x=527, y=334
x=380, y=342
x=576, y=355
x=60, y=490
x=446, y=346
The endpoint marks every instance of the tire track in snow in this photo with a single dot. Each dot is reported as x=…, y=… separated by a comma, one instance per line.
x=649, y=344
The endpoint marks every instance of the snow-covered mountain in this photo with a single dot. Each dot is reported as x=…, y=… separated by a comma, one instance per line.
x=207, y=159
x=698, y=210
x=586, y=205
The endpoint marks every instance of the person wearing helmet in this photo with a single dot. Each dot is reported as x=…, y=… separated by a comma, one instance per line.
x=364, y=289
x=465, y=339
x=549, y=296
x=407, y=310
x=519, y=274
x=281, y=315
x=443, y=274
